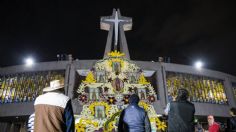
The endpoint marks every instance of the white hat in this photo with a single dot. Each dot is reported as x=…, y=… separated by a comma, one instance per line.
x=54, y=85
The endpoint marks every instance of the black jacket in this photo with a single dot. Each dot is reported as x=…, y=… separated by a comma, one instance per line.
x=181, y=117
x=134, y=119
x=231, y=124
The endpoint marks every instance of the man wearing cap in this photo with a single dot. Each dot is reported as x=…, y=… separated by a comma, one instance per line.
x=53, y=110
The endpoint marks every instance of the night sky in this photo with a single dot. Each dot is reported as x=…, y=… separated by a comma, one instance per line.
x=183, y=30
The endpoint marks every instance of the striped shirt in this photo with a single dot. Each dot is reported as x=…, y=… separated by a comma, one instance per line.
x=30, y=127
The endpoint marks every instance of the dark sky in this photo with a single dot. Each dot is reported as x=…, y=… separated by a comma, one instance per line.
x=184, y=30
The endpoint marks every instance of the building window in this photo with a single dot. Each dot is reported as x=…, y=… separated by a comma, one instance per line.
x=201, y=88
x=234, y=89
x=25, y=87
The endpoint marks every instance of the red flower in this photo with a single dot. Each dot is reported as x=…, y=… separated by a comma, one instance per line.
x=126, y=99
x=83, y=98
x=111, y=100
x=151, y=98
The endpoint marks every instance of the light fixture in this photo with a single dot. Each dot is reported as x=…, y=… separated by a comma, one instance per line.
x=198, y=65
x=29, y=61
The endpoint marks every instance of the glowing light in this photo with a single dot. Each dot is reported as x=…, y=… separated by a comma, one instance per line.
x=29, y=62
x=198, y=65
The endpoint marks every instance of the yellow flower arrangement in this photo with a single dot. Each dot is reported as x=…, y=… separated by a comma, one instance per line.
x=144, y=105
x=89, y=78
x=115, y=54
x=161, y=126
x=154, y=119
x=90, y=122
x=106, y=105
x=142, y=80
x=80, y=127
x=110, y=126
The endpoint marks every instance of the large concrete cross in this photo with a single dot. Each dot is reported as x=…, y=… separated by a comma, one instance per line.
x=120, y=24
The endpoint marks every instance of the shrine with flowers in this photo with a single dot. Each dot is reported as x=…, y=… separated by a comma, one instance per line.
x=105, y=91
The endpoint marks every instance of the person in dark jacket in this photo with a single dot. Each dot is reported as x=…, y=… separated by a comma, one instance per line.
x=232, y=121
x=134, y=118
x=181, y=114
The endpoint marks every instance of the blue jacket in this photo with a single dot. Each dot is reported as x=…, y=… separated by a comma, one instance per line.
x=134, y=119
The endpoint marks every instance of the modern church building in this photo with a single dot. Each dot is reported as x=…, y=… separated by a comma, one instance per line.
x=99, y=89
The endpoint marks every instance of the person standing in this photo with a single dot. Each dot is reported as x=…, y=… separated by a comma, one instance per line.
x=167, y=109
x=232, y=121
x=134, y=118
x=181, y=113
x=53, y=110
x=30, y=125
x=212, y=125
x=198, y=128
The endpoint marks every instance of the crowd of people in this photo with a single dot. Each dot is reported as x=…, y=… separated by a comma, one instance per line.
x=54, y=113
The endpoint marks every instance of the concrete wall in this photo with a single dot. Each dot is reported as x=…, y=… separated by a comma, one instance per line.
x=16, y=109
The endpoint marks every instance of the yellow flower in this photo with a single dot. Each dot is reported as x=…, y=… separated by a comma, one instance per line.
x=115, y=54
x=144, y=105
x=142, y=80
x=161, y=126
x=80, y=127
x=158, y=121
x=90, y=78
x=152, y=119
x=95, y=124
x=110, y=126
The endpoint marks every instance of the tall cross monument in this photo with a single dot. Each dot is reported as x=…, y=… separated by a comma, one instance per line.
x=120, y=24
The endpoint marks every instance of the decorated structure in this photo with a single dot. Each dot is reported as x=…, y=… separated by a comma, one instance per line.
x=106, y=90
x=100, y=89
